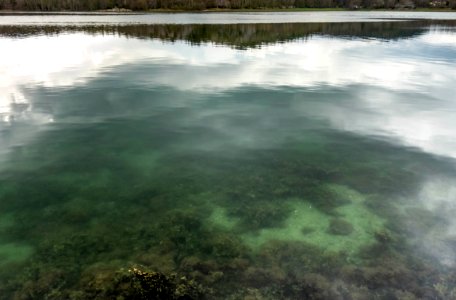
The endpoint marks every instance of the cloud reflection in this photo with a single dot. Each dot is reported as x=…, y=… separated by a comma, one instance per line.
x=438, y=196
x=405, y=84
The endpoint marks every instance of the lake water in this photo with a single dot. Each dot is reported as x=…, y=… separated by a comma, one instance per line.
x=239, y=158
x=218, y=18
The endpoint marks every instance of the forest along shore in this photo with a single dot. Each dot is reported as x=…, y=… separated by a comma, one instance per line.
x=219, y=5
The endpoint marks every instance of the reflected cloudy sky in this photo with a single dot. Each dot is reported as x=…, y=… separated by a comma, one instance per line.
x=400, y=89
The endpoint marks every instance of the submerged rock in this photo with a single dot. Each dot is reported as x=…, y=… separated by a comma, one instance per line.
x=340, y=227
x=257, y=215
x=325, y=198
x=307, y=230
x=140, y=284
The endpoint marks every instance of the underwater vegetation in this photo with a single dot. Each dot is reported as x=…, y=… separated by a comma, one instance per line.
x=143, y=192
x=108, y=235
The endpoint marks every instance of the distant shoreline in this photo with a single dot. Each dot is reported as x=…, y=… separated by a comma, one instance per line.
x=214, y=10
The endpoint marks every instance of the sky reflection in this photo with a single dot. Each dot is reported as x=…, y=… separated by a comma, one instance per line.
x=398, y=89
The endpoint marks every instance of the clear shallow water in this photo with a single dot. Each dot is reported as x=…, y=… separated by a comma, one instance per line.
x=220, y=18
x=262, y=161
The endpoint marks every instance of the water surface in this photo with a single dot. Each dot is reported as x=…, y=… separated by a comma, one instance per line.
x=219, y=18
x=252, y=161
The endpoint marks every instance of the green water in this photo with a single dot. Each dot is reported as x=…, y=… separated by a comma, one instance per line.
x=320, y=167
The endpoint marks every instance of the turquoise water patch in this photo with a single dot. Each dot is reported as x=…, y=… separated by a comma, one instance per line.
x=6, y=221
x=219, y=217
x=308, y=224
x=11, y=252
x=14, y=253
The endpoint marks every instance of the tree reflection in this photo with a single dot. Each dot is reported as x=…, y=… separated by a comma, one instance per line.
x=244, y=36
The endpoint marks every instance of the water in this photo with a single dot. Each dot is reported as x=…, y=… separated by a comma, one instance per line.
x=66, y=18
x=241, y=161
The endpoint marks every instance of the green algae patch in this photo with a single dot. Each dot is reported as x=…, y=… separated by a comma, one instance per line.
x=144, y=163
x=6, y=221
x=310, y=225
x=13, y=253
x=219, y=217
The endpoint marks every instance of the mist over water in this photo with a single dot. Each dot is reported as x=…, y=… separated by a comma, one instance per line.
x=276, y=161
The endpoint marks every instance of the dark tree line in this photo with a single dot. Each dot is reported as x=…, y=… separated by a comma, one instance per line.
x=141, y=5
